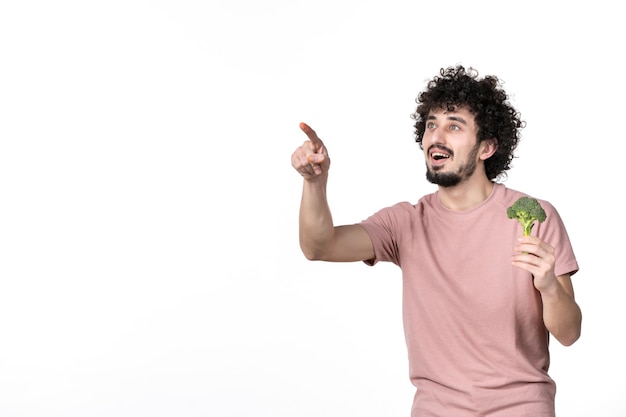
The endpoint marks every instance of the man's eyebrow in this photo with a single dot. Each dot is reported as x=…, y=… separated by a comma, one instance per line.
x=453, y=118
x=457, y=119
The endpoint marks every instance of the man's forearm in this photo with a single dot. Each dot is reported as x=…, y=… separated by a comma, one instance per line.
x=316, y=222
x=561, y=315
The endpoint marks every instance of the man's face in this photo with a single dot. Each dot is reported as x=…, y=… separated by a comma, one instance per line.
x=450, y=146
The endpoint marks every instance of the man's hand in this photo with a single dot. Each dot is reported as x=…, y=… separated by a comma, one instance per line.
x=561, y=314
x=311, y=159
x=537, y=257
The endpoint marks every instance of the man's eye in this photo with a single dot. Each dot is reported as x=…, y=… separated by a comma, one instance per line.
x=454, y=127
x=430, y=125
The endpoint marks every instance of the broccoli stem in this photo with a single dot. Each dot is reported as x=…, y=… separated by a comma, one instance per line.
x=527, y=226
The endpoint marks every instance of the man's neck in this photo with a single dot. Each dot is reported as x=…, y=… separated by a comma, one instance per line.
x=466, y=195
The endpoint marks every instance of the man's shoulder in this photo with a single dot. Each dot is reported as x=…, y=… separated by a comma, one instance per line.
x=509, y=195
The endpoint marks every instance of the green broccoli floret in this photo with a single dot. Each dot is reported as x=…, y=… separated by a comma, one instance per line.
x=526, y=210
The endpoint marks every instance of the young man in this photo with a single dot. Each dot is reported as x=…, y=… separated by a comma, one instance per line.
x=479, y=299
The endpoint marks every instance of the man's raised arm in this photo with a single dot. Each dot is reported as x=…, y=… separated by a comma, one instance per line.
x=319, y=238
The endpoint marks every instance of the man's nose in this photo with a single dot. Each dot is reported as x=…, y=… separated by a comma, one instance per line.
x=437, y=136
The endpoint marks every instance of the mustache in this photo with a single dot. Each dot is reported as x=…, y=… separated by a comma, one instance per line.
x=441, y=148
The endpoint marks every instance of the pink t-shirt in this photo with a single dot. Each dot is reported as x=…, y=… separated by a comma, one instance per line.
x=476, y=341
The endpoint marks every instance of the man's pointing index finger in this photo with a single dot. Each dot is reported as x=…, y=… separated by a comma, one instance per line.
x=315, y=140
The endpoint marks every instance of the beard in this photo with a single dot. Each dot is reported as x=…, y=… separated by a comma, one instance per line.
x=450, y=179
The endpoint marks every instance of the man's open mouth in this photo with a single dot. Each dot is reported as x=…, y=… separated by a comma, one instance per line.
x=437, y=156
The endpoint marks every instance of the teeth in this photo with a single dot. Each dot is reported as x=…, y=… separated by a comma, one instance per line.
x=437, y=155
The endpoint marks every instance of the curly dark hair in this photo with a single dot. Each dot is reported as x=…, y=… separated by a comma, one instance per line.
x=486, y=99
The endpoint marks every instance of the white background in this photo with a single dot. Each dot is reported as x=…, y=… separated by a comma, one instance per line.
x=149, y=263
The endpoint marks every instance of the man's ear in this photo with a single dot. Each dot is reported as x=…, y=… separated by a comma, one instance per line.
x=488, y=148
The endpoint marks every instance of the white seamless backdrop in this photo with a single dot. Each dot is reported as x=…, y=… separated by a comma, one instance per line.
x=149, y=263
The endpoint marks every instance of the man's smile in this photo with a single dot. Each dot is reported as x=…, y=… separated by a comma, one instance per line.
x=439, y=155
